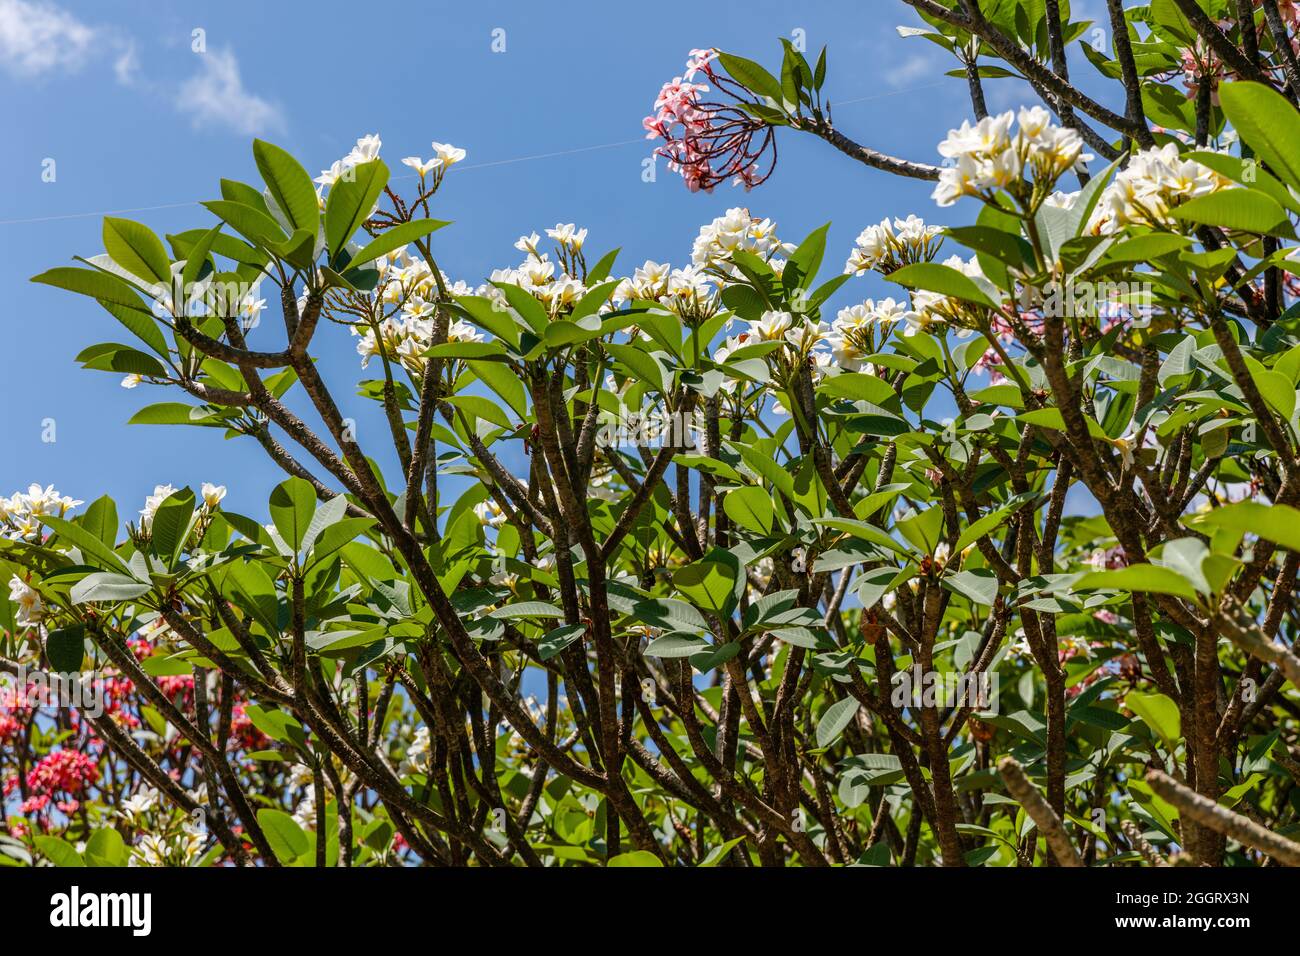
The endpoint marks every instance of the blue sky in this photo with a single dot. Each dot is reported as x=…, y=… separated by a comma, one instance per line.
x=133, y=117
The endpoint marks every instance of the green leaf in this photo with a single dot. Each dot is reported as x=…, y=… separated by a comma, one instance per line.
x=293, y=502
x=933, y=277
x=504, y=381
x=676, y=645
x=484, y=312
x=710, y=582
x=982, y=526
x=327, y=514
x=922, y=529
x=104, y=586
x=1276, y=389
x=66, y=648
x=135, y=248
x=1158, y=712
x=1242, y=210
x=635, y=858
x=719, y=853
x=395, y=238
x=1150, y=578
x=255, y=226
x=100, y=519
x=96, y=284
x=171, y=522
x=751, y=508
x=106, y=848
x=169, y=413
x=283, y=833
x=526, y=609
x=669, y=614
x=89, y=544
x=751, y=75
x=835, y=719
x=477, y=406
x=558, y=639
x=197, y=255
x=980, y=585
x=1277, y=523
x=643, y=366
x=858, y=387
x=58, y=851
x=290, y=186
x=350, y=202
x=337, y=535
x=1268, y=124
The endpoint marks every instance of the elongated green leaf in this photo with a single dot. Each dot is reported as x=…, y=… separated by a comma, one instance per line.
x=1268, y=123
x=96, y=284
x=395, y=238
x=835, y=719
x=293, y=502
x=290, y=185
x=135, y=248
x=350, y=201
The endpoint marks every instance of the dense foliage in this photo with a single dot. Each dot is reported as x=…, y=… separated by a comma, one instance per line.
x=685, y=566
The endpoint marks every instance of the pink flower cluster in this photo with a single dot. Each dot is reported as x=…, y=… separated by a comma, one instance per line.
x=708, y=143
x=1201, y=64
x=59, y=778
x=243, y=734
x=15, y=711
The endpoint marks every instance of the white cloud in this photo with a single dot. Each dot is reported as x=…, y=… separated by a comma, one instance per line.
x=127, y=64
x=215, y=96
x=916, y=67
x=37, y=38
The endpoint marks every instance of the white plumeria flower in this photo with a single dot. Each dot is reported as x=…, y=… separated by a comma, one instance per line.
x=568, y=235
x=806, y=335
x=212, y=494
x=27, y=601
x=131, y=381
x=160, y=494
x=421, y=166
x=141, y=802
x=771, y=326
x=448, y=154
x=489, y=513
x=735, y=230
x=1155, y=181
x=366, y=150
x=461, y=331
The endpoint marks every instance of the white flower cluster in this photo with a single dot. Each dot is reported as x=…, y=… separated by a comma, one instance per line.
x=681, y=291
x=20, y=514
x=182, y=849
x=366, y=150
x=444, y=157
x=889, y=246
x=736, y=230
x=988, y=156
x=555, y=284
x=1154, y=182
x=409, y=286
x=853, y=333
x=210, y=493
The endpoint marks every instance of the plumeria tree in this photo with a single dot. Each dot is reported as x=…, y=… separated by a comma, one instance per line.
x=687, y=566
